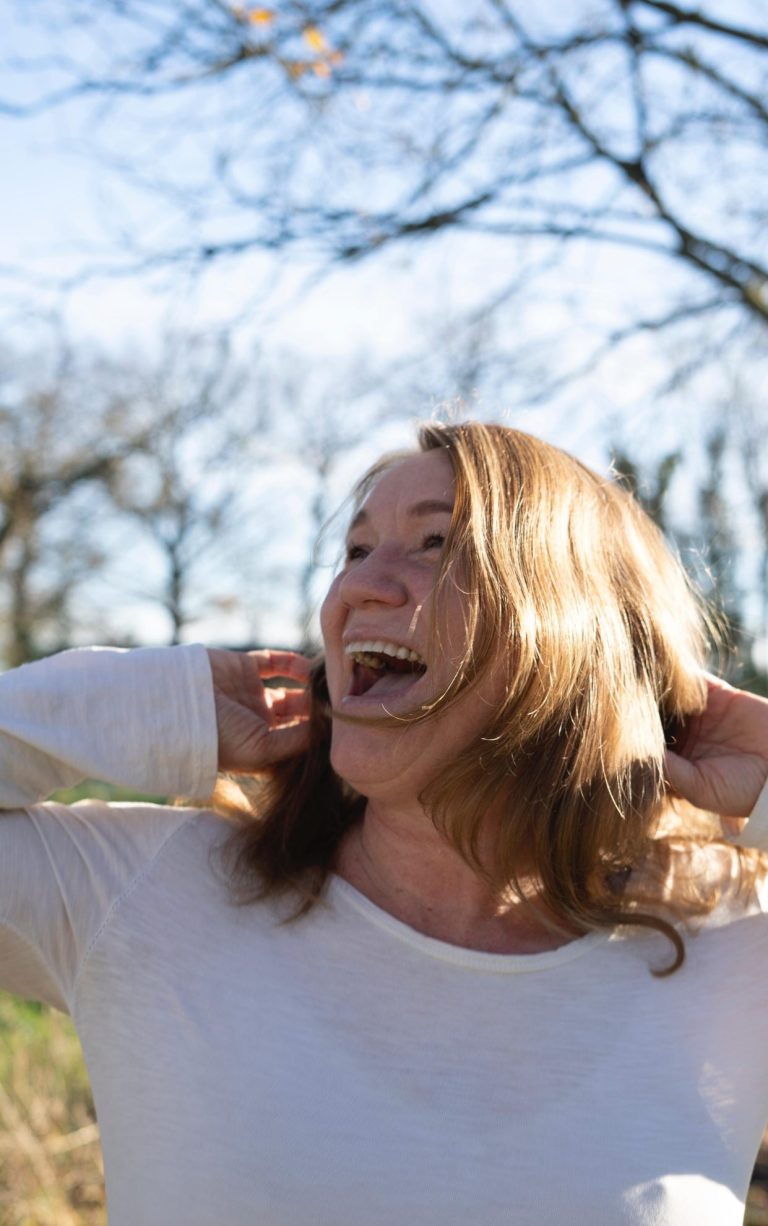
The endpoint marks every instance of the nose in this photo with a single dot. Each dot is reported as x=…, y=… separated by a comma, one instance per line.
x=373, y=578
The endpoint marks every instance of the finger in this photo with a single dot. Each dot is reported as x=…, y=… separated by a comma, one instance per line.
x=716, y=682
x=289, y=702
x=282, y=743
x=279, y=721
x=678, y=772
x=733, y=826
x=282, y=664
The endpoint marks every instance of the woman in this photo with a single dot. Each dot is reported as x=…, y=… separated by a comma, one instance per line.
x=474, y=976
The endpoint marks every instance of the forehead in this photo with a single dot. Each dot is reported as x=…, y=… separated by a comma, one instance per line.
x=416, y=486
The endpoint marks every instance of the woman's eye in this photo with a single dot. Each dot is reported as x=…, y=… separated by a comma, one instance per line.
x=435, y=540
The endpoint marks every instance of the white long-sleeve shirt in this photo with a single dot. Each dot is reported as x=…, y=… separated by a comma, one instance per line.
x=347, y=1070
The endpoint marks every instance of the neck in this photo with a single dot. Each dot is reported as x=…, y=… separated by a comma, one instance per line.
x=400, y=862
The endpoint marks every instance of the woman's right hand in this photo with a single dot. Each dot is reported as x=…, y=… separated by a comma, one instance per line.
x=259, y=726
x=721, y=763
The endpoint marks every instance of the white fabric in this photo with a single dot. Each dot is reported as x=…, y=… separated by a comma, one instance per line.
x=347, y=1070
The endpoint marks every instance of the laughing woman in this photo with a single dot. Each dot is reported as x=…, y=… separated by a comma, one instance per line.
x=458, y=937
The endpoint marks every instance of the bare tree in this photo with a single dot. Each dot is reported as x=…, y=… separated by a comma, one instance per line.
x=752, y=445
x=713, y=540
x=318, y=415
x=59, y=453
x=717, y=533
x=651, y=489
x=350, y=127
x=183, y=486
x=189, y=480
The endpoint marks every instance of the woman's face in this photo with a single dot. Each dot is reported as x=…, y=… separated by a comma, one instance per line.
x=381, y=602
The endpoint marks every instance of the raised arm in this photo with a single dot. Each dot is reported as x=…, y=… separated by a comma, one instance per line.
x=159, y=720
x=142, y=718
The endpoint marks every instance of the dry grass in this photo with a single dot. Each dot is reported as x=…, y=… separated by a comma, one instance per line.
x=51, y=1171
x=50, y=1158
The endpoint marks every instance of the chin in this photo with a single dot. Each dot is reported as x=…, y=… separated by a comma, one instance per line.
x=371, y=761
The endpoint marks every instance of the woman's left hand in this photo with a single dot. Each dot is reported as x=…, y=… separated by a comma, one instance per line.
x=257, y=726
x=721, y=761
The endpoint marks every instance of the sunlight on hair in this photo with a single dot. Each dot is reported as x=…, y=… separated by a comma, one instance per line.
x=577, y=603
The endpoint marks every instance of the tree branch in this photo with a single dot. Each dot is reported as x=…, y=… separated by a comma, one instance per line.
x=691, y=17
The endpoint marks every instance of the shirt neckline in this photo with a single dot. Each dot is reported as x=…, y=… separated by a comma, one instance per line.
x=476, y=959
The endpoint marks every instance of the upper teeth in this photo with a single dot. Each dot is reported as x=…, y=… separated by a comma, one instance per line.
x=381, y=647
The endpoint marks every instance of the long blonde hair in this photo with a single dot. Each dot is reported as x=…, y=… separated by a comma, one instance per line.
x=605, y=642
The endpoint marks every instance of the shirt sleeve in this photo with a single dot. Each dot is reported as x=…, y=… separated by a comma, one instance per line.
x=141, y=718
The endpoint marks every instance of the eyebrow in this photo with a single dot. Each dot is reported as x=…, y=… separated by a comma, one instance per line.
x=430, y=506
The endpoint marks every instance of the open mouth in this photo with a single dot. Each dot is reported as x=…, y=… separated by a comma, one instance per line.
x=380, y=672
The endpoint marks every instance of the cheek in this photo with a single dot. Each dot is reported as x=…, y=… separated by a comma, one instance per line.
x=332, y=617
x=331, y=626
x=330, y=608
x=456, y=630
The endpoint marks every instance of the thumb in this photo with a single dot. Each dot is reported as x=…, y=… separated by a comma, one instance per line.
x=248, y=743
x=286, y=741
x=679, y=773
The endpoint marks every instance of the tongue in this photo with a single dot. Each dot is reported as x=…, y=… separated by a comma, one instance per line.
x=374, y=681
x=391, y=683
